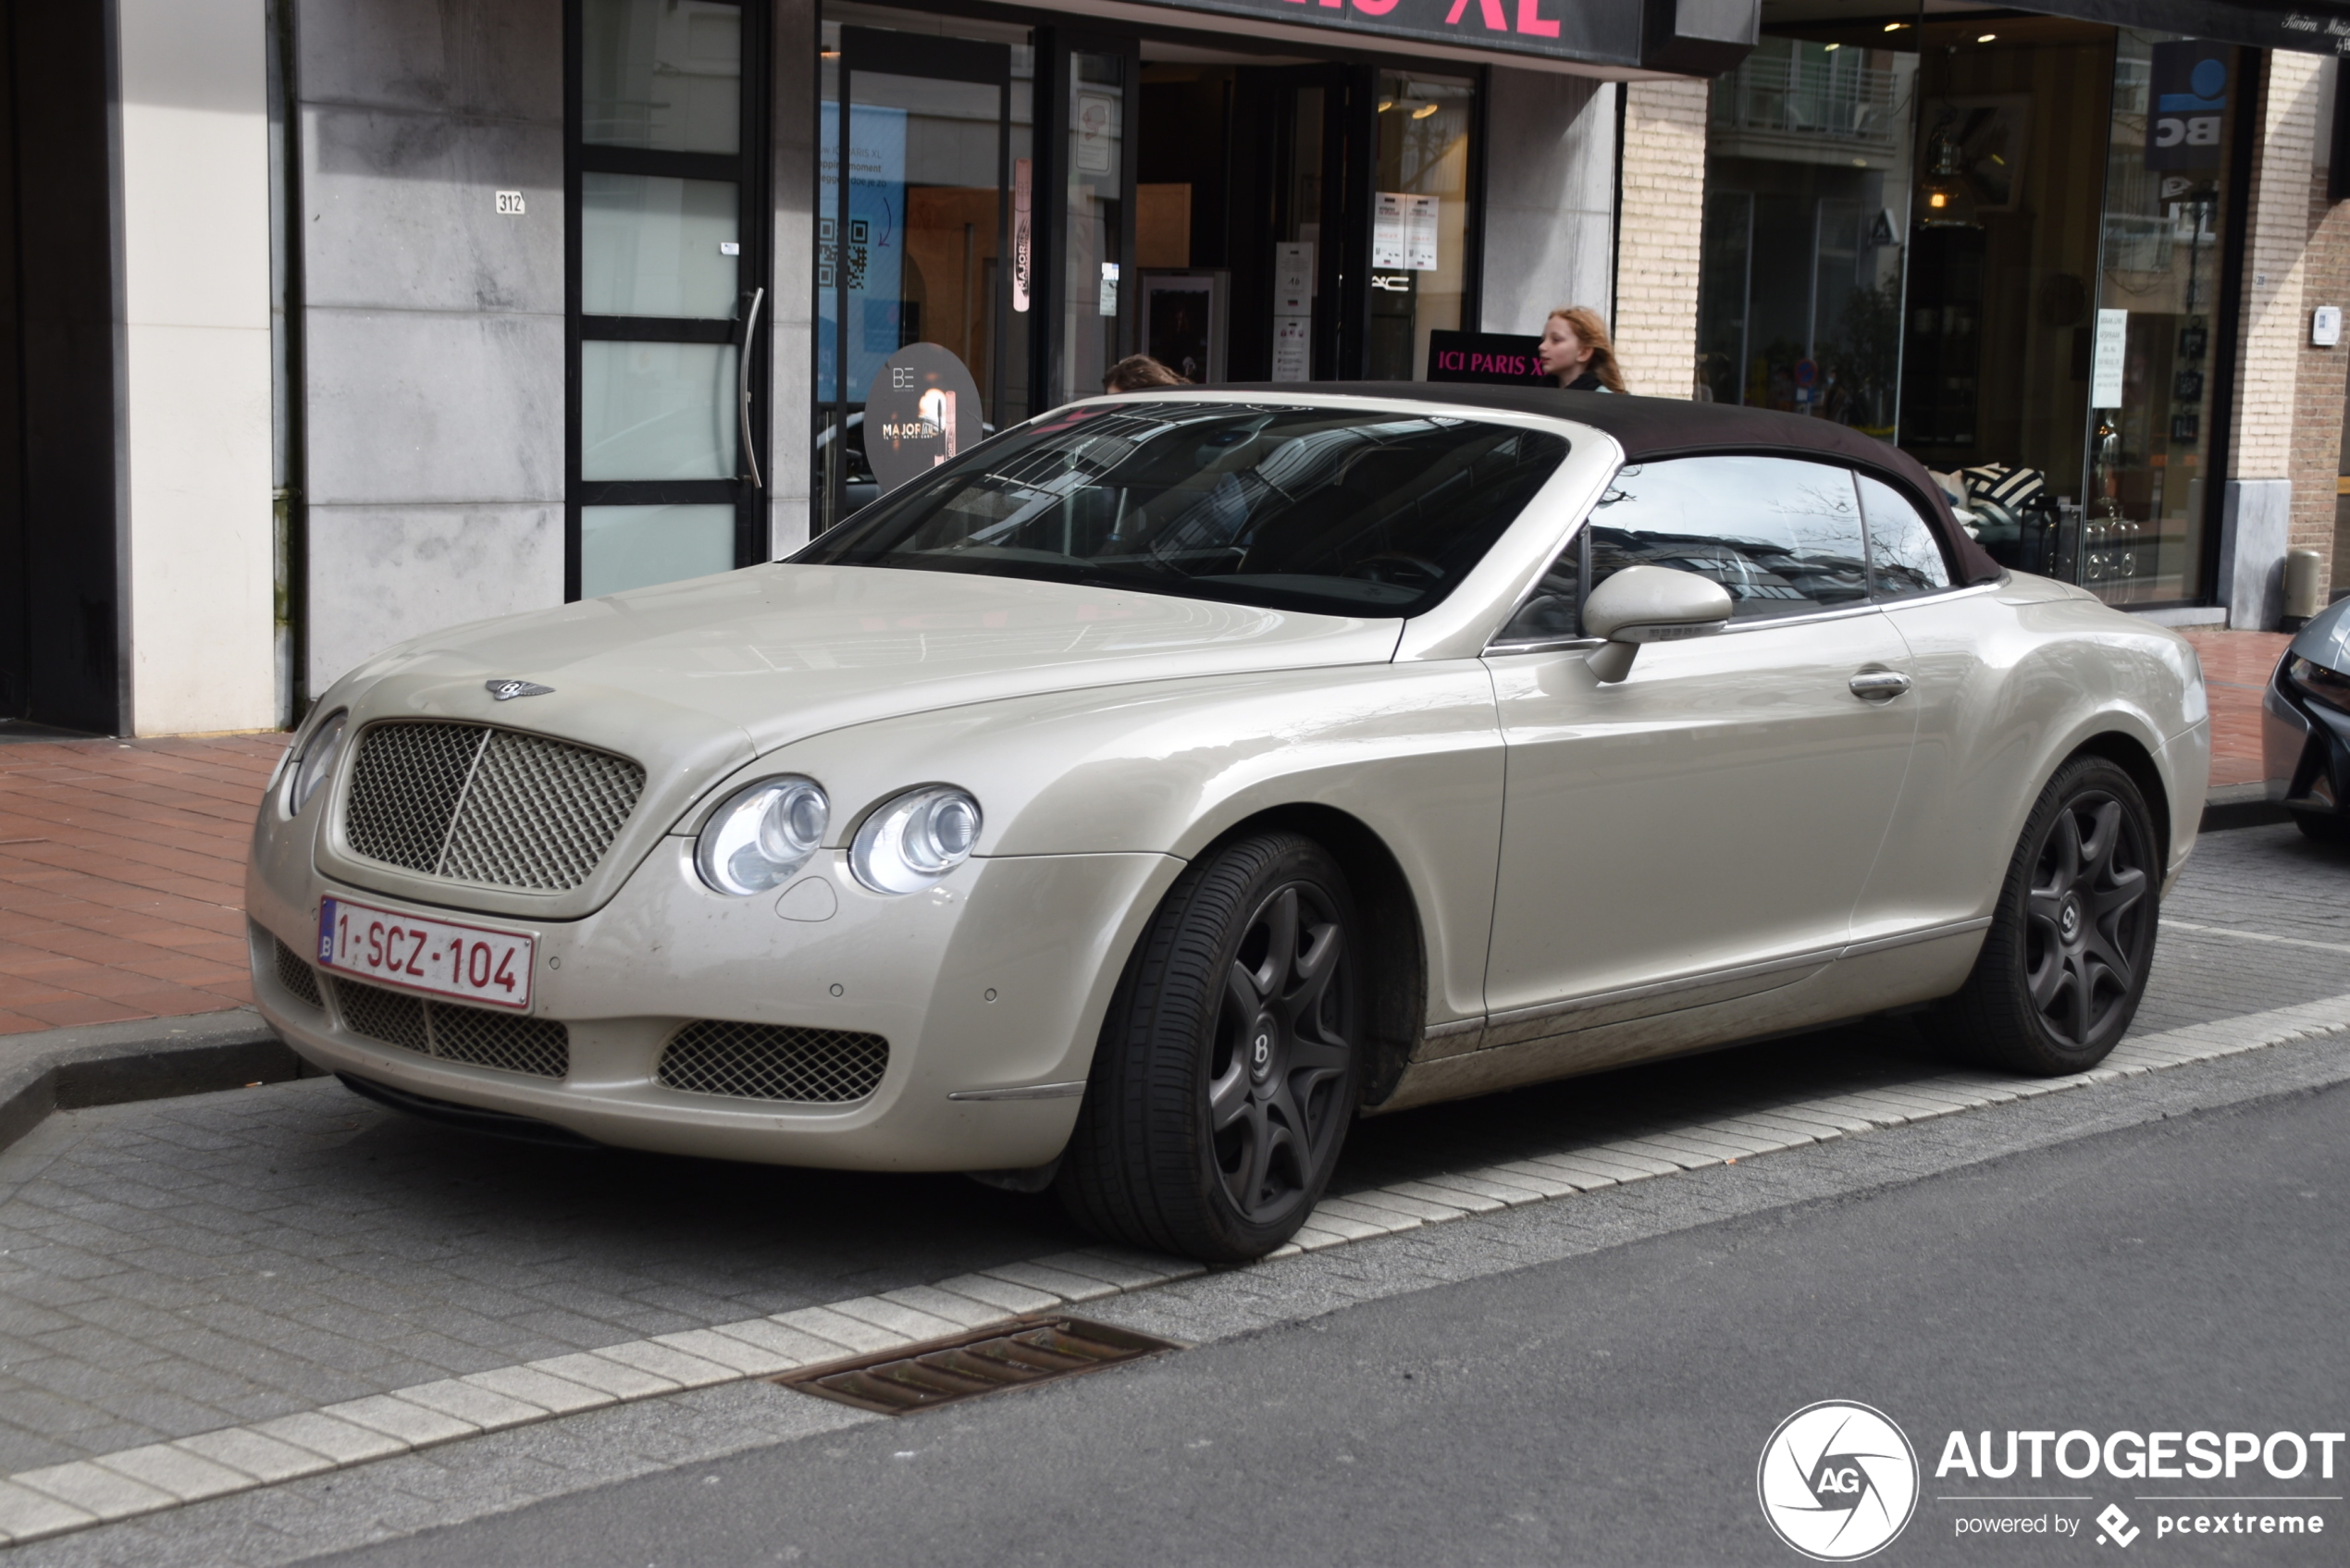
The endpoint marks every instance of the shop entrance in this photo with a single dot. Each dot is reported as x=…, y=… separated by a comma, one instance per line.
x=911, y=244
x=1297, y=220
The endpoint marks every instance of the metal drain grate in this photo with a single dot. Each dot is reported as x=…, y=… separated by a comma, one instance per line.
x=916, y=1377
x=298, y=978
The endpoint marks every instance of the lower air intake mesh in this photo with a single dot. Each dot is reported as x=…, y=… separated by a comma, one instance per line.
x=762, y=1061
x=298, y=978
x=478, y=1036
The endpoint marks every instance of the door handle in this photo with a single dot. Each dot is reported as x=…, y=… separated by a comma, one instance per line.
x=1879, y=685
x=742, y=383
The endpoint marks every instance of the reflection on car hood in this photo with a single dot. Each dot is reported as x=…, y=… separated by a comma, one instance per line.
x=784, y=652
x=2326, y=639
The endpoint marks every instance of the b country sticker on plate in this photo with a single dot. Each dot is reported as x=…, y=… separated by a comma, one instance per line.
x=440, y=957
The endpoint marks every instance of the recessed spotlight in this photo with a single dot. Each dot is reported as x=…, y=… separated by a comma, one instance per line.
x=1895, y=27
x=1385, y=104
x=1986, y=38
x=1425, y=110
x=1831, y=48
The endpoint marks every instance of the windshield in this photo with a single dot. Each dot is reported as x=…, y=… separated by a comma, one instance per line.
x=1342, y=512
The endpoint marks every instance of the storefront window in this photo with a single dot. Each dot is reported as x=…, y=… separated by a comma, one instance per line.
x=2150, y=356
x=1420, y=219
x=1806, y=222
x=1097, y=281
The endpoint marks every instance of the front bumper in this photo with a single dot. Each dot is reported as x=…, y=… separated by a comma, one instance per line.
x=2304, y=749
x=993, y=984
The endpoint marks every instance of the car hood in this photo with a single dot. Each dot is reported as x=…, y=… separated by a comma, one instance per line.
x=782, y=652
x=2326, y=639
x=695, y=680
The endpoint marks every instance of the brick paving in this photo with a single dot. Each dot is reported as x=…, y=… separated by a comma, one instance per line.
x=176, y=1266
x=2236, y=665
x=122, y=869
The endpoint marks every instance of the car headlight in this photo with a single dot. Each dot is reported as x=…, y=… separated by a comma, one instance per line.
x=316, y=764
x=762, y=834
x=2320, y=683
x=915, y=839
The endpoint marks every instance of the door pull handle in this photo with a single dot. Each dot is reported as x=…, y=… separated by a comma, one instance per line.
x=1879, y=685
x=742, y=384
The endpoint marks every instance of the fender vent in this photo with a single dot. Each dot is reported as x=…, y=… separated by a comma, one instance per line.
x=917, y=1376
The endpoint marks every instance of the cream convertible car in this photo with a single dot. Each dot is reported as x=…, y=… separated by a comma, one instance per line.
x=1129, y=801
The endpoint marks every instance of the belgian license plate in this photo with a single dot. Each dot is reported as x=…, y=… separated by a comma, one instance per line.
x=440, y=957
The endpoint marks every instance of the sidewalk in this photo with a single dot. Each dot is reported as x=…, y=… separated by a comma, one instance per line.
x=122, y=863
x=2236, y=665
x=122, y=869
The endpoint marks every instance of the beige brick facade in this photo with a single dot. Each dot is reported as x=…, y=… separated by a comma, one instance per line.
x=2322, y=381
x=2276, y=265
x=1657, y=251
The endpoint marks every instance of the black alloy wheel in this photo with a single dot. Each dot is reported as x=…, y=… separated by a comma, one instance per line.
x=2065, y=961
x=1229, y=1068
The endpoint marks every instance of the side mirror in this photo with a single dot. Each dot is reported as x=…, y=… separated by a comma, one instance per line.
x=1649, y=604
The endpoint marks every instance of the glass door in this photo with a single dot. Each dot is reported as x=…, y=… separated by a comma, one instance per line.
x=667, y=264
x=916, y=244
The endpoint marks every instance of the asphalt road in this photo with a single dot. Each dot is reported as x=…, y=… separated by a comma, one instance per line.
x=2184, y=1274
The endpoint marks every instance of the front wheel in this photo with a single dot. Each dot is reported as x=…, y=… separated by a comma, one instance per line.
x=2065, y=961
x=1229, y=1065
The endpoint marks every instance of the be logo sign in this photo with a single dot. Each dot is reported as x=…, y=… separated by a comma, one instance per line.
x=1838, y=1481
x=2187, y=97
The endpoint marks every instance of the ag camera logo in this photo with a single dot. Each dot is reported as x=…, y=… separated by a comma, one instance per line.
x=1838, y=1481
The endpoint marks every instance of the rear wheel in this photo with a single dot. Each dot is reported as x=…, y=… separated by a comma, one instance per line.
x=2065, y=961
x=2329, y=828
x=1229, y=1069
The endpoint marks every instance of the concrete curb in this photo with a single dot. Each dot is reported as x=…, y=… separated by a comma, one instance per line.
x=2241, y=806
x=106, y=1064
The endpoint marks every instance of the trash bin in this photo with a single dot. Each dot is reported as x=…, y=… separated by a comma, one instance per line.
x=2304, y=588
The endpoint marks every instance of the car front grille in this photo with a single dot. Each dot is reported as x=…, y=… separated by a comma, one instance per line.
x=478, y=804
x=476, y=1036
x=298, y=978
x=760, y=1061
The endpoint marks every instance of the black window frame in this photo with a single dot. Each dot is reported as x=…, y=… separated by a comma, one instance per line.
x=749, y=169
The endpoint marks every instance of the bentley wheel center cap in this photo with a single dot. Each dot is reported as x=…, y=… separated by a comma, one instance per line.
x=1260, y=1050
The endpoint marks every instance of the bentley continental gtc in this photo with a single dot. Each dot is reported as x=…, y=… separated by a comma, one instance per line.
x=1132, y=801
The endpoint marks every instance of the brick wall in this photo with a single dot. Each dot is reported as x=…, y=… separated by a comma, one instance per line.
x=1657, y=251
x=2277, y=267
x=2319, y=382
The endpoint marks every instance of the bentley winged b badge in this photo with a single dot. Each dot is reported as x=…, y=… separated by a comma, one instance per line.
x=506, y=691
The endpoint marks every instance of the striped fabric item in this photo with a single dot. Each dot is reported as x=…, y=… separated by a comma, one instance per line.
x=2010, y=489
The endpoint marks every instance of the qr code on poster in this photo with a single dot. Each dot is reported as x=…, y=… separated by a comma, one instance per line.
x=829, y=258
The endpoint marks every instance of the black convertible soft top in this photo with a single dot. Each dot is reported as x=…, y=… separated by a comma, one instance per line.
x=1654, y=427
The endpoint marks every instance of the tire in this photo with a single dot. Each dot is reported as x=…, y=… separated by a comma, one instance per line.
x=2065, y=961
x=1231, y=1065
x=2328, y=828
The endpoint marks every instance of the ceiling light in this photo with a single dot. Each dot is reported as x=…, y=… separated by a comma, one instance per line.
x=1831, y=48
x=1986, y=38
x=1385, y=104
x=1425, y=110
x=1895, y=27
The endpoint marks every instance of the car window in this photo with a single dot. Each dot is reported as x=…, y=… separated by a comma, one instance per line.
x=1905, y=559
x=1554, y=609
x=1346, y=512
x=1783, y=537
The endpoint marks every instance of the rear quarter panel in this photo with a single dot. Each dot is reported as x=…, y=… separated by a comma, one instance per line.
x=2013, y=681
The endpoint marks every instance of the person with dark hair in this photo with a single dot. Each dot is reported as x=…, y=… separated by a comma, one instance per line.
x=1136, y=372
x=1576, y=349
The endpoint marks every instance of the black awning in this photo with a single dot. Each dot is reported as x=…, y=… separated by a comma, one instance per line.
x=2315, y=29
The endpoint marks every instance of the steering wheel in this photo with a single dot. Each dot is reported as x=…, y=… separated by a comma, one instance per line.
x=1397, y=567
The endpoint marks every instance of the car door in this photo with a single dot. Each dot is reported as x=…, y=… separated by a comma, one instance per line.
x=1703, y=829
x=1949, y=840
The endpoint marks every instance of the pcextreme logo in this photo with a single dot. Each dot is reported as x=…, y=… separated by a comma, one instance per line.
x=1838, y=1481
